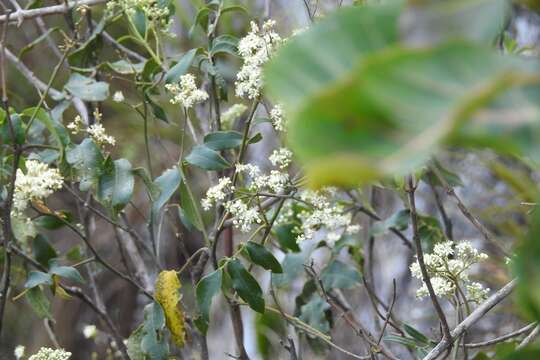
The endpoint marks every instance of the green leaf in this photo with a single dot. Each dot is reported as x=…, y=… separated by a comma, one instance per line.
x=399, y=221
x=200, y=19
x=166, y=185
x=338, y=275
x=388, y=108
x=417, y=335
x=223, y=140
x=293, y=266
x=139, y=20
x=314, y=60
x=50, y=222
x=39, y=302
x=124, y=183
x=262, y=257
x=313, y=313
x=189, y=206
x=123, y=67
x=87, y=89
x=529, y=353
x=286, y=237
x=245, y=285
x=207, y=159
x=55, y=128
x=157, y=110
x=82, y=56
x=87, y=159
x=36, y=278
x=134, y=344
x=154, y=344
x=401, y=340
x=208, y=287
x=431, y=22
x=68, y=272
x=224, y=44
x=42, y=250
x=181, y=67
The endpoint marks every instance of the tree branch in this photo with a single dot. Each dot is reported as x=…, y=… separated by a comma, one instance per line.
x=20, y=15
x=470, y=320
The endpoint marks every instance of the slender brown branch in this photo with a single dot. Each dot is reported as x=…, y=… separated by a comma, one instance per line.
x=472, y=319
x=49, y=10
x=410, y=189
x=501, y=338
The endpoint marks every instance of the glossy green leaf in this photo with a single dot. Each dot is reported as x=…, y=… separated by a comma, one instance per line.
x=68, y=272
x=286, y=237
x=417, y=335
x=125, y=68
x=181, y=67
x=154, y=344
x=338, y=275
x=190, y=206
x=245, y=285
x=87, y=160
x=262, y=257
x=124, y=183
x=55, y=128
x=42, y=250
x=313, y=313
x=50, y=222
x=224, y=44
x=207, y=159
x=86, y=88
x=166, y=185
x=39, y=302
x=223, y=140
x=207, y=288
x=36, y=278
x=134, y=344
x=293, y=266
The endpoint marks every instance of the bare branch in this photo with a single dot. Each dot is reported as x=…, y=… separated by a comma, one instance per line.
x=502, y=338
x=18, y=16
x=470, y=320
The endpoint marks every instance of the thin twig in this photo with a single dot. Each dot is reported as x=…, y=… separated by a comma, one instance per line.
x=420, y=257
x=501, y=338
x=530, y=338
x=49, y=10
x=472, y=319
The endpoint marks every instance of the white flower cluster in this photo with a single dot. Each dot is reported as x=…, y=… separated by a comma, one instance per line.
x=448, y=267
x=50, y=354
x=276, y=181
x=150, y=8
x=118, y=96
x=39, y=182
x=231, y=114
x=281, y=158
x=89, y=331
x=96, y=131
x=324, y=214
x=243, y=216
x=186, y=93
x=19, y=352
x=276, y=117
x=217, y=193
x=255, y=49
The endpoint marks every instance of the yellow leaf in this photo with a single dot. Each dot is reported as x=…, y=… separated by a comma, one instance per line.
x=167, y=295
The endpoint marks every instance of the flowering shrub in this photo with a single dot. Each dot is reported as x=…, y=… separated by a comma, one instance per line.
x=284, y=175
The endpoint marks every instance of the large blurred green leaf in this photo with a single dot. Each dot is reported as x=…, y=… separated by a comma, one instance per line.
x=328, y=51
x=365, y=106
x=432, y=21
x=208, y=287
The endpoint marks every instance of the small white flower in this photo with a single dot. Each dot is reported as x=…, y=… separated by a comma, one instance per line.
x=76, y=125
x=217, y=193
x=19, y=352
x=100, y=137
x=118, y=97
x=243, y=217
x=276, y=117
x=39, y=182
x=281, y=158
x=186, y=93
x=255, y=49
x=231, y=114
x=50, y=354
x=89, y=331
